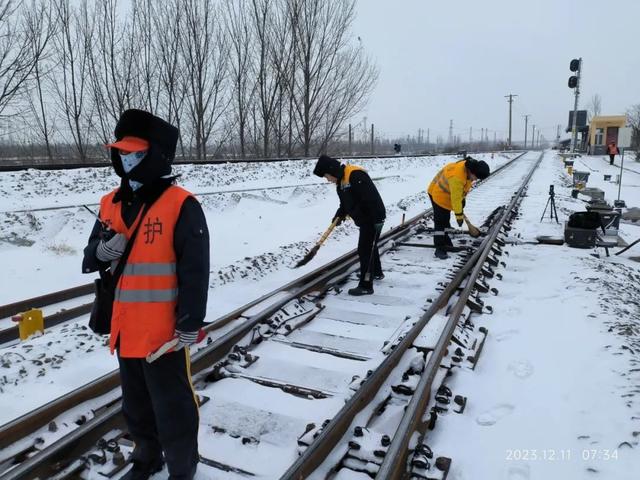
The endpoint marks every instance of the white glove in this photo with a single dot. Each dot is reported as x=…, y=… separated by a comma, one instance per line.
x=186, y=339
x=111, y=249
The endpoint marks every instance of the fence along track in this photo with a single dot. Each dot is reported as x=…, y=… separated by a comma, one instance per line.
x=201, y=360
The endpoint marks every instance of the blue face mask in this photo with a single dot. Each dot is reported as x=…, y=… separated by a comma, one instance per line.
x=131, y=160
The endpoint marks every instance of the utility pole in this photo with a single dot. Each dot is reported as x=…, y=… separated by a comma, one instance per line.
x=538, y=138
x=533, y=136
x=470, y=134
x=510, y=97
x=450, y=131
x=372, y=149
x=526, y=120
x=427, y=137
x=558, y=133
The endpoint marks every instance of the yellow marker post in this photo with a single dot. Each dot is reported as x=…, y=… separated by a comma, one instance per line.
x=570, y=170
x=29, y=322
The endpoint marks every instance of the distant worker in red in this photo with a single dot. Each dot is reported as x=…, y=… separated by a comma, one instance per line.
x=160, y=294
x=612, y=150
x=447, y=192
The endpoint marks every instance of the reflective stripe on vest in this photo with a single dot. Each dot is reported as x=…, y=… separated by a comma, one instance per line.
x=442, y=181
x=150, y=269
x=151, y=296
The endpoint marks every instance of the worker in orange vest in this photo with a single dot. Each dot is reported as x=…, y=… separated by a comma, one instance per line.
x=447, y=192
x=161, y=293
x=612, y=150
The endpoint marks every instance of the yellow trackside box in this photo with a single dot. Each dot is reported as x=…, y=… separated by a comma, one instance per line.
x=29, y=322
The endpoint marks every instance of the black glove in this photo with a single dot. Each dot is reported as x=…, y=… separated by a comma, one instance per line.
x=378, y=227
x=112, y=249
x=338, y=219
x=460, y=219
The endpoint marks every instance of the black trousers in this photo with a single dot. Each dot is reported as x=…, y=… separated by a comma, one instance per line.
x=441, y=217
x=611, y=157
x=161, y=411
x=368, y=245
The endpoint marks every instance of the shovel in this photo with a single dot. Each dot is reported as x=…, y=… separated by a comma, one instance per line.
x=312, y=253
x=473, y=231
x=170, y=345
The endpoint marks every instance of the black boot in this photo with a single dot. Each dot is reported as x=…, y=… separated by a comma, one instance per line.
x=142, y=471
x=378, y=276
x=361, y=290
x=441, y=254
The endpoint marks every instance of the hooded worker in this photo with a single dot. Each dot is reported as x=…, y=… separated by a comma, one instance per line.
x=447, y=192
x=160, y=295
x=359, y=199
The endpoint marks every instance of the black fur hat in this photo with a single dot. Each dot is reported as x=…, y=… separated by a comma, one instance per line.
x=162, y=138
x=329, y=165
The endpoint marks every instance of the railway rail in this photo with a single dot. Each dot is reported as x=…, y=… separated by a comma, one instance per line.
x=263, y=319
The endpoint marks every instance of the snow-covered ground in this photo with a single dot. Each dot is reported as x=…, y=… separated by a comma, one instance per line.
x=556, y=393
x=255, y=239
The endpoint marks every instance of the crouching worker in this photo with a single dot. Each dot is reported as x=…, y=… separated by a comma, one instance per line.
x=447, y=192
x=359, y=198
x=160, y=294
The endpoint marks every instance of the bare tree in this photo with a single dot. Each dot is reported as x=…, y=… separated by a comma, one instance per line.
x=18, y=56
x=113, y=64
x=148, y=83
x=168, y=21
x=283, y=54
x=268, y=69
x=325, y=65
x=204, y=49
x=595, y=105
x=73, y=41
x=240, y=66
x=40, y=26
x=633, y=120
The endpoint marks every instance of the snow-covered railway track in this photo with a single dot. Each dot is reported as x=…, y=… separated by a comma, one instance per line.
x=310, y=333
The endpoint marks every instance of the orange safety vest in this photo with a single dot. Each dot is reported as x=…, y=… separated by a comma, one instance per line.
x=440, y=190
x=144, y=308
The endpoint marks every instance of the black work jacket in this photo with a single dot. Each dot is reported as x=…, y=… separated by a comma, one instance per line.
x=359, y=198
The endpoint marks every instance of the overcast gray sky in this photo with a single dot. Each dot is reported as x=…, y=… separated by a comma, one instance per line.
x=457, y=59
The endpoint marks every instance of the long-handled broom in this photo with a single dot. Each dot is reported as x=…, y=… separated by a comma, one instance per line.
x=312, y=253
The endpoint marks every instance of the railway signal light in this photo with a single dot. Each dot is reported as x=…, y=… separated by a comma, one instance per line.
x=575, y=65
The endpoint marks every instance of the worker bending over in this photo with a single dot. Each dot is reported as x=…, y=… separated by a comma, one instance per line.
x=447, y=192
